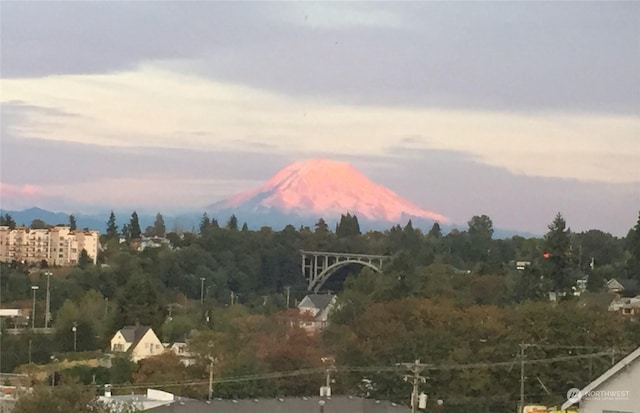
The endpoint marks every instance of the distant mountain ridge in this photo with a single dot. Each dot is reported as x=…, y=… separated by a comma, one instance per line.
x=298, y=195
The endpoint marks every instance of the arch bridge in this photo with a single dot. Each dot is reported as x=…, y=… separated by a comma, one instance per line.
x=318, y=266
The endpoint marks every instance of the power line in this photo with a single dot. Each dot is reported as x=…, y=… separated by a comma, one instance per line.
x=356, y=369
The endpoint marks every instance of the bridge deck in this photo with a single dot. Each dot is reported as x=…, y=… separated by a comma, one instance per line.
x=344, y=255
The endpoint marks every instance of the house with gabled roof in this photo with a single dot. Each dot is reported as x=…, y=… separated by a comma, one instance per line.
x=139, y=341
x=616, y=390
x=317, y=308
x=626, y=287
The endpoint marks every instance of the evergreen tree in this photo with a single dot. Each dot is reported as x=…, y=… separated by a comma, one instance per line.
x=245, y=227
x=633, y=247
x=204, y=223
x=435, y=231
x=72, y=223
x=112, y=228
x=126, y=232
x=479, y=243
x=134, y=226
x=321, y=227
x=348, y=226
x=232, y=224
x=7, y=220
x=557, y=263
x=84, y=260
x=159, y=228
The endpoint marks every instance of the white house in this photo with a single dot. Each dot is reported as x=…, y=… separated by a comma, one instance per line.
x=139, y=341
x=616, y=390
x=181, y=350
x=317, y=307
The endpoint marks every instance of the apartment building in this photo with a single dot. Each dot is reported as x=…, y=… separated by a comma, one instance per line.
x=56, y=245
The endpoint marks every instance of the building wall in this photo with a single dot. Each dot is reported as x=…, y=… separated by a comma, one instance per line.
x=627, y=380
x=119, y=344
x=148, y=346
x=4, y=241
x=57, y=245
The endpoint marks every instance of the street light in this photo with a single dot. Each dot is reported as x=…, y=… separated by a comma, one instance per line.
x=75, y=330
x=47, y=315
x=201, y=290
x=34, y=288
x=321, y=403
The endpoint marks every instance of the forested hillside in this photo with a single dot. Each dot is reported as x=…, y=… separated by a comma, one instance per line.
x=455, y=301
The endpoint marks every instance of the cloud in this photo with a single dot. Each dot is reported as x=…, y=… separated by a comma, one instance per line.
x=455, y=183
x=526, y=56
x=156, y=108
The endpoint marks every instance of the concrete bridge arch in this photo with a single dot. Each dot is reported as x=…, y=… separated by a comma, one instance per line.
x=319, y=266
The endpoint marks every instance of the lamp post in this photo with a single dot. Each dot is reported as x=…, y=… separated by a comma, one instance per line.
x=321, y=403
x=201, y=290
x=34, y=288
x=75, y=335
x=47, y=315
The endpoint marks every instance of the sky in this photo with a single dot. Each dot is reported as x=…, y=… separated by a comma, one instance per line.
x=517, y=110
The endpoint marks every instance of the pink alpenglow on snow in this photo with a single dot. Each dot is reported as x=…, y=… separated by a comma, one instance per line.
x=324, y=187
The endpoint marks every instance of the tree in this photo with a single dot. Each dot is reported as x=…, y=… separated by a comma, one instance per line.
x=633, y=247
x=478, y=243
x=321, y=227
x=348, y=226
x=557, y=262
x=7, y=220
x=232, y=224
x=126, y=232
x=112, y=228
x=61, y=399
x=165, y=368
x=435, y=231
x=159, y=228
x=204, y=223
x=72, y=223
x=38, y=224
x=134, y=226
x=480, y=227
x=84, y=260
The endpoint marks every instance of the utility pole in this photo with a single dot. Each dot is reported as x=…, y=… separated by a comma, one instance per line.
x=330, y=366
x=211, y=378
x=522, y=377
x=201, y=290
x=212, y=360
x=613, y=356
x=288, y=290
x=34, y=288
x=415, y=378
x=74, y=329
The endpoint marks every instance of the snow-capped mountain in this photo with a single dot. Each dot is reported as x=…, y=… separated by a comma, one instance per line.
x=325, y=188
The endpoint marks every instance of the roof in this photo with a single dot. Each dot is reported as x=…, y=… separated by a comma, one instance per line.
x=133, y=334
x=629, y=285
x=339, y=404
x=629, y=359
x=319, y=301
x=598, y=301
